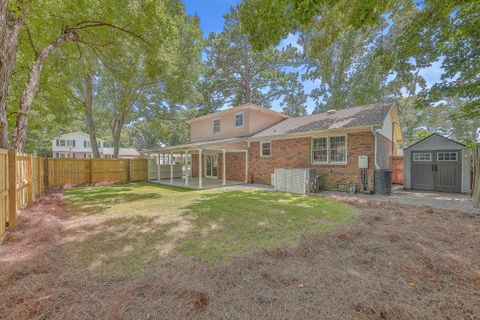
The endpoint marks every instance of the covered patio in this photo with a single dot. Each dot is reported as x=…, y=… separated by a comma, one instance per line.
x=207, y=183
x=200, y=164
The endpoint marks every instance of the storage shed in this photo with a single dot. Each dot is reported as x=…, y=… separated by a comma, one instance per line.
x=437, y=163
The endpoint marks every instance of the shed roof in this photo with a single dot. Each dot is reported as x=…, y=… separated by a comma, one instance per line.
x=434, y=135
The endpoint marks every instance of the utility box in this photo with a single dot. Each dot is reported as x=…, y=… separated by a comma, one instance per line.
x=363, y=162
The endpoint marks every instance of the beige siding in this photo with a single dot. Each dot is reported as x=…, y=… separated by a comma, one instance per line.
x=254, y=121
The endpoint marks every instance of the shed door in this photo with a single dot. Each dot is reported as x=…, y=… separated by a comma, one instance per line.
x=447, y=171
x=422, y=170
x=437, y=170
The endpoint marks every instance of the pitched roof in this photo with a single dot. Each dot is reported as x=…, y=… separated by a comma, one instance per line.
x=368, y=115
x=432, y=135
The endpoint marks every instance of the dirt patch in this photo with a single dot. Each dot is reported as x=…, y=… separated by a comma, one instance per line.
x=394, y=262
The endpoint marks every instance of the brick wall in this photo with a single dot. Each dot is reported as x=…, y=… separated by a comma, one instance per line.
x=235, y=166
x=295, y=153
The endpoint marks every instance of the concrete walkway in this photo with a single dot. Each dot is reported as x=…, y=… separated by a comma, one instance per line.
x=440, y=200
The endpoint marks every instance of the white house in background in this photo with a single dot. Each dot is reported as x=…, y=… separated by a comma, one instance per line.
x=77, y=145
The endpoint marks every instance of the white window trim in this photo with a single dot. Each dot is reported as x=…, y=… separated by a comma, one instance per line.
x=418, y=152
x=261, y=149
x=328, y=162
x=243, y=119
x=219, y=125
x=456, y=156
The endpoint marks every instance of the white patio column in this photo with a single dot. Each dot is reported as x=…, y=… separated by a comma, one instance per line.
x=246, y=166
x=224, y=176
x=186, y=168
x=171, y=168
x=158, y=166
x=200, y=167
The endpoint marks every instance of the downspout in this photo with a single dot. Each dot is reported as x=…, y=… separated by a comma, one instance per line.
x=375, y=148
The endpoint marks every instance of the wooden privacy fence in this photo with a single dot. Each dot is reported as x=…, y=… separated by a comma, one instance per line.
x=86, y=171
x=21, y=181
x=396, y=165
x=23, y=178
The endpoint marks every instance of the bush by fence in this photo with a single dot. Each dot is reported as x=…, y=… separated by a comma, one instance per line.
x=23, y=178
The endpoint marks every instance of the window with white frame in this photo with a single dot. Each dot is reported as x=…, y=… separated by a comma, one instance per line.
x=239, y=120
x=329, y=150
x=447, y=156
x=320, y=150
x=265, y=149
x=216, y=125
x=62, y=143
x=337, y=149
x=86, y=144
x=422, y=156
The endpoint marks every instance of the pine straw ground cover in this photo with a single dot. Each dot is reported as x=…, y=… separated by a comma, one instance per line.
x=391, y=262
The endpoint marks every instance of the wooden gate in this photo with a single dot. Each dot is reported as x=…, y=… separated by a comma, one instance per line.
x=396, y=165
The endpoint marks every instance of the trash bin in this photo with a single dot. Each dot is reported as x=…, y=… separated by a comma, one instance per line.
x=383, y=181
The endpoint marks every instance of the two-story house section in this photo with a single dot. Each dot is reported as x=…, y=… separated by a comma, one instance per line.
x=74, y=145
x=248, y=142
x=77, y=145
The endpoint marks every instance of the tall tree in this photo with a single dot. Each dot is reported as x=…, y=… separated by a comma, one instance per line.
x=143, y=78
x=237, y=74
x=48, y=26
x=419, y=31
x=12, y=17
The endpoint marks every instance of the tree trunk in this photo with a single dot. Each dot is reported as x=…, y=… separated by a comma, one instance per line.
x=10, y=27
x=117, y=128
x=32, y=87
x=88, y=104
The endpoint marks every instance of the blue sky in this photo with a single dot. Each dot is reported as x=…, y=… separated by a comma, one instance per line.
x=211, y=20
x=210, y=12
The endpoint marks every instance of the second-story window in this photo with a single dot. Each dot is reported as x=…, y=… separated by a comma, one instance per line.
x=216, y=125
x=86, y=144
x=239, y=120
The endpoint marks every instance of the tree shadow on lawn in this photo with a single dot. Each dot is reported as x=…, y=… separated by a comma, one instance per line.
x=94, y=200
x=233, y=223
x=215, y=225
x=120, y=248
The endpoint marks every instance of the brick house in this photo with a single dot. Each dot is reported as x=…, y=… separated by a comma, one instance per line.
x=246, y=143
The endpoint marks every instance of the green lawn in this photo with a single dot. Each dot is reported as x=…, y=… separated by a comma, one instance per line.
x=121, y=229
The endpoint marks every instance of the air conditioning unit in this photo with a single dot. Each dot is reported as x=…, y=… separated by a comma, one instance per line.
x=294, y=180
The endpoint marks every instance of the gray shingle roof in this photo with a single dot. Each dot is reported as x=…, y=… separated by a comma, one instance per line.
x=368, y=115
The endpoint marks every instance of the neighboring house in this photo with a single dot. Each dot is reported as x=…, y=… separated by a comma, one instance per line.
x=77, y=145
x=254, y=141
x=437, y=163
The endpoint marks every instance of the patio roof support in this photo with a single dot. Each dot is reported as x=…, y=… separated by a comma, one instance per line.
x=158, y=166
x=171, y=168
x=224, y=176
x=186, y=168
x=200, y=167
x=246, y=166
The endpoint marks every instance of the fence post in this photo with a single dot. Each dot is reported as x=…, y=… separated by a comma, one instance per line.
x=30, y=179
x=12, y=189
x=129, y=177
x=91, y=170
